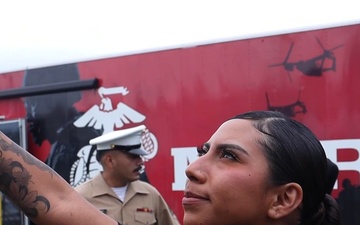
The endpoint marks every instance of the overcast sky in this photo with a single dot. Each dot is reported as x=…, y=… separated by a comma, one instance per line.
x=36, y=33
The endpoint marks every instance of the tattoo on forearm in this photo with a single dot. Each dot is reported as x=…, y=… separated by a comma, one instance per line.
x=15, y=179
x=5, y=146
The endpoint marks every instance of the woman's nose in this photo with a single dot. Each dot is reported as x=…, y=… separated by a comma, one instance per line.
x=196, y=171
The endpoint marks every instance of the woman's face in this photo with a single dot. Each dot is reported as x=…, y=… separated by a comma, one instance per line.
x=229, y=183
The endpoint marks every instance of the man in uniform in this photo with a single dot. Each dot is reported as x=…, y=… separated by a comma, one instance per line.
x=117, y=190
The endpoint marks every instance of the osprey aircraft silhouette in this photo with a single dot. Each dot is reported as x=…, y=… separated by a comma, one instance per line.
x=313, y=67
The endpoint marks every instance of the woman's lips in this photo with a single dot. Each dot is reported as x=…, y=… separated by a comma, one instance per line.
x=192, y=199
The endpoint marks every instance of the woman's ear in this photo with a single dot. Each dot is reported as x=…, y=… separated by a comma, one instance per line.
x=285, y=200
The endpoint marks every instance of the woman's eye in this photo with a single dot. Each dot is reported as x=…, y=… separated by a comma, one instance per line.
x=201, y=151
x=228, y=154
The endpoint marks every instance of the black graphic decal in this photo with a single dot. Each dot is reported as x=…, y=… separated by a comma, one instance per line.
x=314, y=67
x=290, y=110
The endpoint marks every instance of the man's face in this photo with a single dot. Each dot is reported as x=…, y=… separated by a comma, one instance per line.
x=125, y=167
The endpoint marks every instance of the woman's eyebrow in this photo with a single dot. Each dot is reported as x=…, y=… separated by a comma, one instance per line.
x=233, y=146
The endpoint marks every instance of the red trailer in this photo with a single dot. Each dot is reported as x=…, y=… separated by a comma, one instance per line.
x=183, y=94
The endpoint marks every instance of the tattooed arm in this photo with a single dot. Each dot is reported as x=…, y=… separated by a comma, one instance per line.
x=43, y=195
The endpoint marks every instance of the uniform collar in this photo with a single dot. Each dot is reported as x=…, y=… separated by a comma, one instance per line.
x=101, y=188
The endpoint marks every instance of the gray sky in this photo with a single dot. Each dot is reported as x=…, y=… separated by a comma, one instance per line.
x=36, y=33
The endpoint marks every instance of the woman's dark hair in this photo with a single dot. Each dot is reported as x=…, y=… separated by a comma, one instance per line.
x=296, y=155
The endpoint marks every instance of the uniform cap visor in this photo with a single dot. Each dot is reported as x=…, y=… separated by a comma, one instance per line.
x=138, y=151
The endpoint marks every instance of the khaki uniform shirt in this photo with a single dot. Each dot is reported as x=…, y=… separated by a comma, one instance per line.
x=143, y=204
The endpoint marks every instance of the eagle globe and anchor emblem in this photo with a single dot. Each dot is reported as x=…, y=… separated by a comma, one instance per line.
x=105, y=117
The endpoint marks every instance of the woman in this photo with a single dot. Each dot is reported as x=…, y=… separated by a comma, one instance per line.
x=259, y=168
